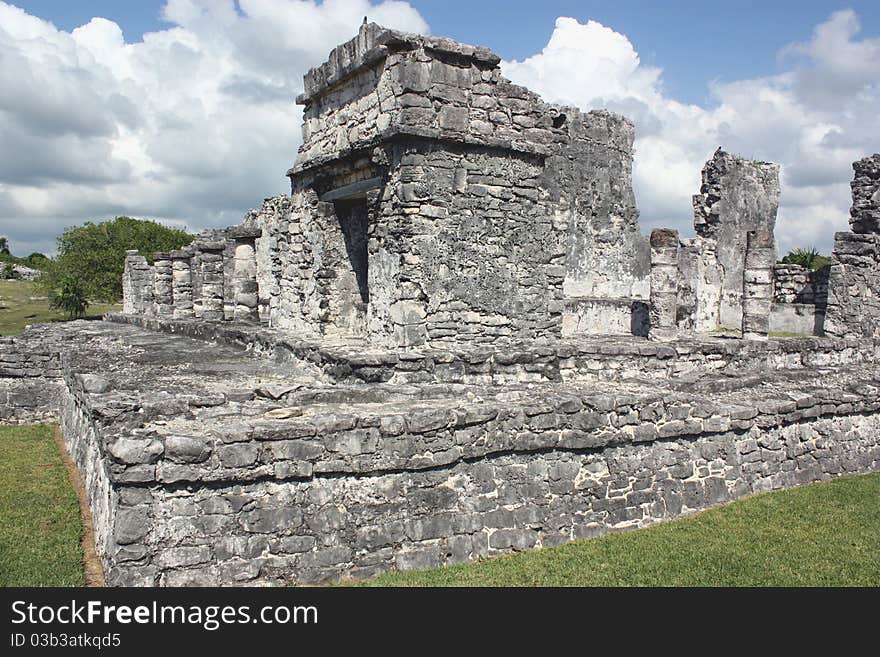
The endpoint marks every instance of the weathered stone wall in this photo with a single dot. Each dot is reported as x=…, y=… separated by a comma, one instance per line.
x=607, y=257
x=481, y=203
x=737, y=196
x=797, y=284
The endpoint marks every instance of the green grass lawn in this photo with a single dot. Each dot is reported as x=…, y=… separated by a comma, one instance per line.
x=22, y=304
x=40, y=526
x=825, y=534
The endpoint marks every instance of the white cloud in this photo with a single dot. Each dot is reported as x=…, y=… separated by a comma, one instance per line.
x=192, y=125
x=196, y=123
x=815, y=119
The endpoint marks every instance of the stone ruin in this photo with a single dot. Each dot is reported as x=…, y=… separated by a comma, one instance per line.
x=452, y=340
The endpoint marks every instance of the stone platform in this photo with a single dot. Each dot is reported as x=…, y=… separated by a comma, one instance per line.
x=260, y=461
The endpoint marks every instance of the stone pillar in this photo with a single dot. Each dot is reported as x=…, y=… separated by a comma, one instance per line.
x=162, y=289
x=664, y=284
x=757, y=284
x=211, y=269
x=244, y=272
x=182, y=283
x=137, y=285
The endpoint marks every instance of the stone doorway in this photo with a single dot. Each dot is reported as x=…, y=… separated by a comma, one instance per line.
x=351, y=293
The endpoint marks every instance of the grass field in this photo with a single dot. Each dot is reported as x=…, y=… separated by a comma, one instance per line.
x=40, y=527
x=21, y=304
x=825, y=534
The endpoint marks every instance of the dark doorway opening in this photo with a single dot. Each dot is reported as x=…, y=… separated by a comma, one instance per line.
x=352, y=215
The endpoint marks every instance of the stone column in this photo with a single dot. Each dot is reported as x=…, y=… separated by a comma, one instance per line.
x=757, y=284
x=664, y=284
x=211, y=266
x=137, y=285
x=162, y=290
x=244, y=283
x=182, y=283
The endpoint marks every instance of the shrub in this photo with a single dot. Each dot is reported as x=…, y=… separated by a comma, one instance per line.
x=809, y=258
x=69, y=297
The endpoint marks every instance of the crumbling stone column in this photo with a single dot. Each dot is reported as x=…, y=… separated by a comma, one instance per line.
x=757, y=284
x=244, y=282
x=137, y=285
x=211, y=275
x=664, y=284
x=162, y=289
x=864, y=215
x=182, y=283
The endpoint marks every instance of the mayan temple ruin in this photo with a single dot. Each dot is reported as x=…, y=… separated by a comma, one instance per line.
x=452, y=340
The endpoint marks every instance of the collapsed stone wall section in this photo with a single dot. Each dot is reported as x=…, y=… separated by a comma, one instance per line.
x=736, y=196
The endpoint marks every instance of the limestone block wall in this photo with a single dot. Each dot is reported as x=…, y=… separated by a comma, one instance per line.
x=30, y=378
x=585, y=359
x=736, y=196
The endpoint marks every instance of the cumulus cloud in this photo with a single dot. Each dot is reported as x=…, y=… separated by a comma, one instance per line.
x=815, y=119
x=191, y=125
x=195, y=123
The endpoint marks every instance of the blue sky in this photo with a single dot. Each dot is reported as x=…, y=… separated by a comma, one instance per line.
x=194, y=123
x=694, y=41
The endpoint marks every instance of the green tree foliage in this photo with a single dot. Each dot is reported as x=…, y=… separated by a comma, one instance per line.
x=4, y=245
x=69, y=297
x=94, y=254
x=809, y=258
x=37, y=261
x=7, y=270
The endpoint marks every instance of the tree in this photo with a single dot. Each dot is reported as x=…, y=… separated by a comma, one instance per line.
x=4, y=246
x=94, y=254
x=69, y=297
x=8, y=270
x=809, y=258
